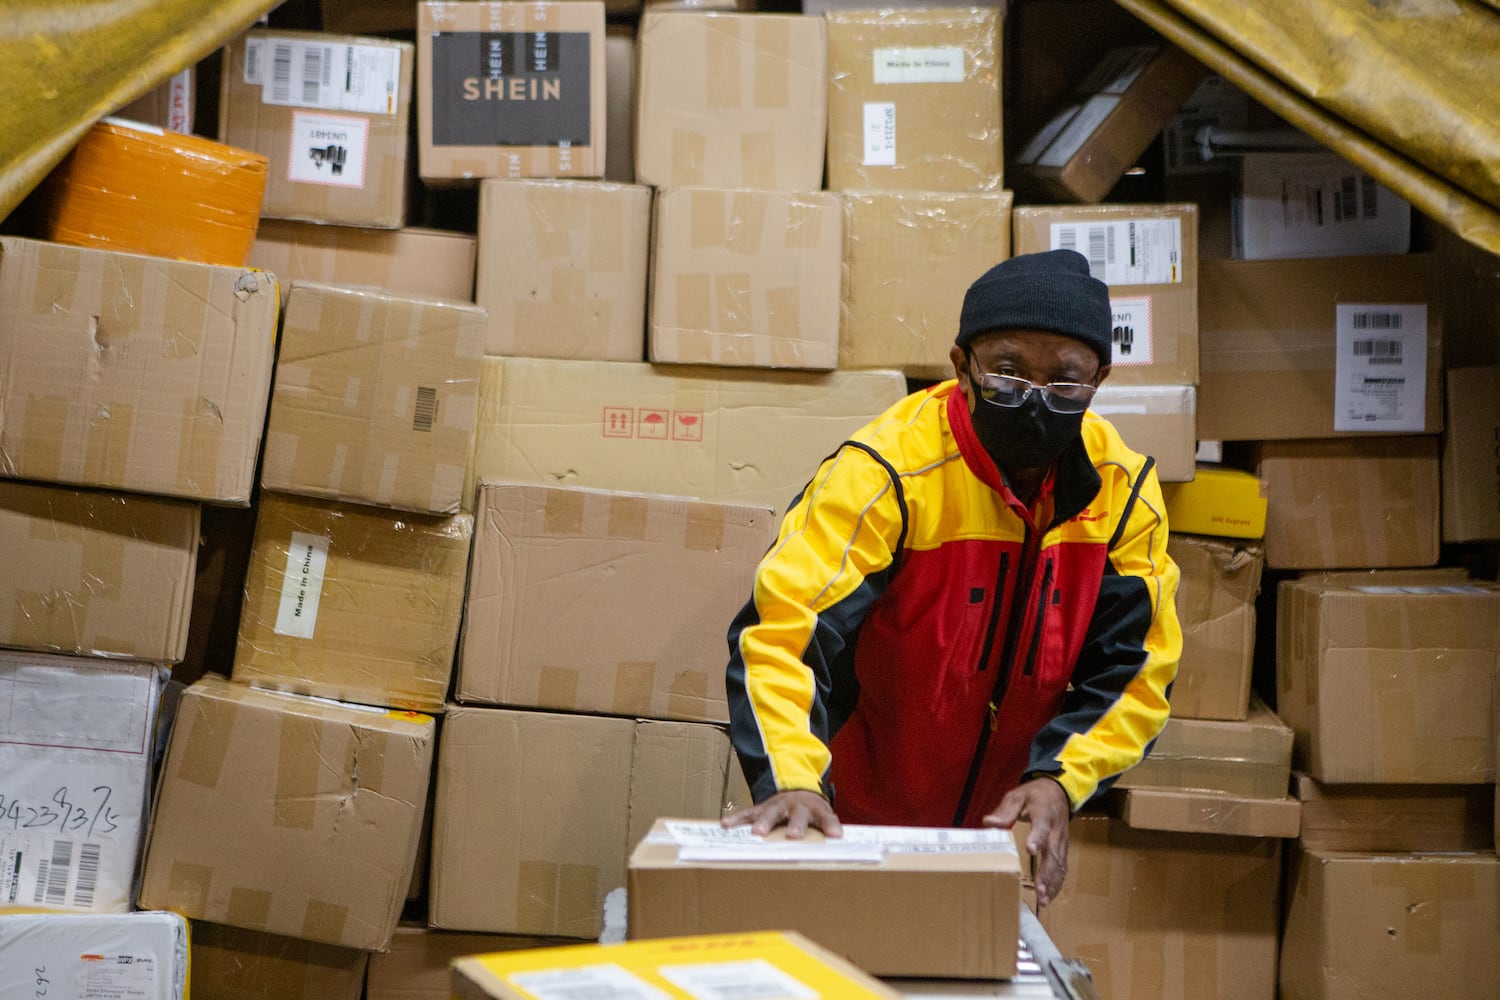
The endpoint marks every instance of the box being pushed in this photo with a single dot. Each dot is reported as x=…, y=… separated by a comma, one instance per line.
x=860, y=895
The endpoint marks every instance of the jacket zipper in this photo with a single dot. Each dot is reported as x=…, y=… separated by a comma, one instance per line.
x=989, y=635
x=1036, y=625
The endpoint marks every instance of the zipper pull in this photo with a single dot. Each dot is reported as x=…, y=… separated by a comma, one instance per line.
x=994, y=717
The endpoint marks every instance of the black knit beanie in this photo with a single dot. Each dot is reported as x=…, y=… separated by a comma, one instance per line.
x=1040, y=291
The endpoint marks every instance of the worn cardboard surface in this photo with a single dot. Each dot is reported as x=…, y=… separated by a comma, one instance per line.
x=1252, y=758
x=537, y=812
x=288, y=815
x=64, y=956
x=731, y=100
x=1471, y=456
x=231, y=963
x=715, y=434
x=664, y=576
x=746, y=278
x=132, y=372
x=374, y=400
x=1187, y=811
x=423, y=263
x=914, y=100
x=562, y=268
x=1216, y=607
x=415, y=966
x=1393, y=818
x=1393, y=925
x=1155, y=420
x=909, y=257
x=101, y=574
x=1388, y=682
x=353, y=603
x=1314, y=205
x=1219, y=501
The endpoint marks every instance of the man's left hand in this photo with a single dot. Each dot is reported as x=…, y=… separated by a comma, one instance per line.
x=1043, y=803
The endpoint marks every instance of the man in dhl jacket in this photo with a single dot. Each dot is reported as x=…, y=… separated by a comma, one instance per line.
x=967, y=617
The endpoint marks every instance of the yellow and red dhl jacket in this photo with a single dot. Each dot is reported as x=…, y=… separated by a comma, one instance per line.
x=916, y=645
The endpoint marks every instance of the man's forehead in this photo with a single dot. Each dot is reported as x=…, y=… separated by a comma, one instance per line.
x=1036, y=344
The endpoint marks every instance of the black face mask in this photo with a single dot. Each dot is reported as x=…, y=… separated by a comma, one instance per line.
x=1028, y=436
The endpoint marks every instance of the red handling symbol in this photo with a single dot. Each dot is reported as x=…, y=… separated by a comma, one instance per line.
x=619, y=422
x=654, y=424
x=687, y=425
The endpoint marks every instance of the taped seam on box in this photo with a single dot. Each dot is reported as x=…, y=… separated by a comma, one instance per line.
x=209, y=724
x=563, y=513
x=634, y=688
x=298, y=759
x=324, y=921
x=628, y=517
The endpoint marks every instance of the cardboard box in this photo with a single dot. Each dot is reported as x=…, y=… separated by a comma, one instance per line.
x=731, y=100
x=493, y=104
x=1169, y=916
x=168, y=106
x=1219, y=501
x=1216, y=608
x=562, y=268
x=331, y=112
x=374, y=399
x=537, y=813
x=1252, y=758
x=290, y=815
x=76, y=749
x=132, y=372
x=716, y=434
x=767, y=963
x=1155, y=420
x=353, y=603
x=746, y=278
x=1337, y=504
x=909, y=257
x=101, y=574
x=1392, y=925
x=422, y=263
x=416, y=965
x=1148, y=255
x=231, y=963
x=1108, y=121
x=1389, y=683
x=1314, y=205
x=619, y=130
x=1393, y=818
x=961, y=887
x=1320, y=347
x=143, y=956
x=914, y=100
x=1471, y=456
x=1195, y=811
x=665, y=576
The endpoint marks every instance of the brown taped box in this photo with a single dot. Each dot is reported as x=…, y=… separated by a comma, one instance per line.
x=335, y=131
x=374, y=398
x=1155, y=420
x=1148, y=255
x=96, y=574
x=1337, y=504
x=511, y=89
x=1391, y=925
x=353, y=603
x=720, y=434
x=1471, y=456
x=914, y=100
x=746, y=278
x=1269, y=353
x=132, y=372
x=1393, y=817
x=966, y=902
x=415, y=966
x=423, y=263
x=1196, y=811
x=1216, y=608
x=1252, y=759
x=1389, y=682
x=537, y=813
x=731, y=100
x=562, y=268
x=289, y=815
x=664, y=576
x=231, y=963
x=168, y=106
x=396, y=16
x=909, y=257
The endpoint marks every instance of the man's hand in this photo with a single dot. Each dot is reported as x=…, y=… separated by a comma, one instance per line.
x=1044, y=804
x=799, y=810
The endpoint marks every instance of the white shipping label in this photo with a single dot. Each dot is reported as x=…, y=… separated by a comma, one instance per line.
x=1131, y=331
x=331, y=76
x=302, y=587
x=1380, y=370
x=880, y=134
x=1126, y=251
x=116, y=977
x=752, y=979
x=56, y=872
x=1078, y=130
x=919, y=65
x=1119, y=69
x=328, y=149
x=606, y=981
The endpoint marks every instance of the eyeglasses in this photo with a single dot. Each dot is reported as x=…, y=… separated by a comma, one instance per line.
x=1011, y=391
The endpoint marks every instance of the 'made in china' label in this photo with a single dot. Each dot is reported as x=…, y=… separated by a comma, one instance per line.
x=510, y=88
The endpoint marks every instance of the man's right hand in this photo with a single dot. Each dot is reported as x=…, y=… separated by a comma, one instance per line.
x=799, y=810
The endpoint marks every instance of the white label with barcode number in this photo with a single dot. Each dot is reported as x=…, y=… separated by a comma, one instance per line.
x=605, y=981
x=880, y=134
x=302, y=586
x=331, y=76
x=750, y=979
x=50, y=872
x=1126, y=251
x=116, y=976
x=1380, y=370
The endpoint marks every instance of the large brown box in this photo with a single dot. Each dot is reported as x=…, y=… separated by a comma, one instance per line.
x=1155, y=420
x=1471, y=456
x=374, y=399
x=914, y=100
x=746, y=278
x=331, y=113
x=422, y=263
x=231, y=963
x=510, y=89
x=1191, y=810
x=1216, y=608
x=663, y=575
x=1272, y=365
x=731, y=100
x=415, y=965
x=1389, y=682
x=562, y=268
x=1393, y=818
x=289, y=815
x=909, y=257
x=132, y=372
x=353, y=603
x=1252, y=758
x=537, y=812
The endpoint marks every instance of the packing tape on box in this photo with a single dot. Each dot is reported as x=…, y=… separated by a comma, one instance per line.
x=689, y=154
x=557, y=896
x=744, y=229
x=722, y=45
x=773, y=59
x=299, y=759
x=324, y=921
x=187, y=887
x=758, y=160
x=635, y=683
x=557, y=686
x=208, y=723
x=563, y=513
x=627, y=517
x=703, y=528
x=248, y=908
x=687, y=698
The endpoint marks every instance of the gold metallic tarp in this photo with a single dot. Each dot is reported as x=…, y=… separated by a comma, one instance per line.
x=1405, y=88
x=65, y=63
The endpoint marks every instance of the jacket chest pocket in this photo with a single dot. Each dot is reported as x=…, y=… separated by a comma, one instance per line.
x=1046, y=665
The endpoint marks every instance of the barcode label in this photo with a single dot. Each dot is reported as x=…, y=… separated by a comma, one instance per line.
x=1125, y=251
x=313, y=62
x=426, y=411
x=306, y=74
x=1370, y=196
x=1378, y=352
x=1098, y=247
x=281, y=73
x=1377, y=321
x=1380, y=375
x=591, y=982
x=52, y=880
x=88, y=876
x=252, y=62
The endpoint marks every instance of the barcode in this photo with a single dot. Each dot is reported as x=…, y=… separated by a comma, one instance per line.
x=1099, y=238
x=1379, y=352
x=88, y=876
x=1344, y=201
x=281, y=72
x=426, y=408
x=1377, y=321
x=1368, y=194
x=58, y=869
x=252, y=64
x=312, y=74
